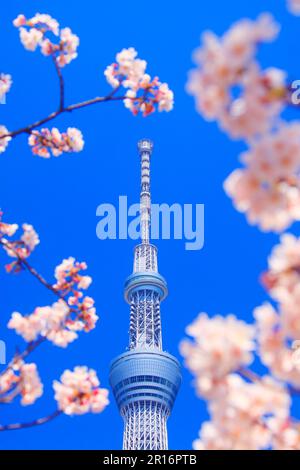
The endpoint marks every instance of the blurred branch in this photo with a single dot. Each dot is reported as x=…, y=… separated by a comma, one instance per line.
x=30, y=424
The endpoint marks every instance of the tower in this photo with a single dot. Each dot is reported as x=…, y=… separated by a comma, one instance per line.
x=145, y=379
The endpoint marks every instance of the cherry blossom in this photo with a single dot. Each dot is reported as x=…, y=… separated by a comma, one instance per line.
x=294, y=6
x=20, y=248
x=243, y=414
x=283, y=275
x=68, y=274
x=33, y=33
x=78, y=392
x=46, y=140
x=221, y=345
x=31, y=387
x=7, y=229
x=4, y=140
x=21, y=379
x=5, y=84
x=267, y=189
x=58, y=323
x=286, y=436
x=296, y=353
x=67, y=49
x=274, y=351
x=228, y=85
x=143, y=93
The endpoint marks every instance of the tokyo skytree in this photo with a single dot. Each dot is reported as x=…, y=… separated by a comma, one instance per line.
x=145, y=379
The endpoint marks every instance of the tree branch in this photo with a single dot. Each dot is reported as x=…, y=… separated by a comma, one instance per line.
x=24, y=263
x=30, y=424
x=34, y=344
x=61, y=84
x=67, y=109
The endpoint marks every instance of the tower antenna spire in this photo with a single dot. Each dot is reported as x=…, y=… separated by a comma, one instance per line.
x=145, y=147
x=145, y=380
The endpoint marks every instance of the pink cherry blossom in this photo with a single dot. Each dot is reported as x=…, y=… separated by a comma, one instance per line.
x=296, y=353
x=283, y=275
x=21, y=379
x=78, y=392
x=267, y=189
x=33, y=33
x=143, y=94
x=7, y=229
x=4, y=140
x=273, y=349
x=243, y=414
x=31, y=387
x=20, y=248
x=66, y=50
x=68, y=274
x=228, y=64
x=220, y=345
x=30, y=38
x=46, y=140
x=59, y=323
x=294, y=6
x=5, y=84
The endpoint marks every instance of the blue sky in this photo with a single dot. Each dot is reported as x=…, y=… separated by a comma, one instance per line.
x=60, y=196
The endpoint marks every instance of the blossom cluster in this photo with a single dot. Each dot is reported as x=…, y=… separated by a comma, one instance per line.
x=220, y=345
x=228, y=84
x=21, y=379
x=73, y=312
x=294, y=6
x=267, y=189
x=46, y=140
x=249, y=416
x=244, y=415
x=34, y=31
x=143, y=93
x=5, y=84
x=277, y=329
x=20, y=248
x=79, y=392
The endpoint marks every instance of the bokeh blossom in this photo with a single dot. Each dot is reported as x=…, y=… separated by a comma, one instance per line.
x=220, y=345
x=228, y=84
x=243, y=415
x=294, y=6
x=5, y=84
x=34, y=32
x=279, y=328
x=143, y=93
x=267, y=189
x=282, y=279
x=273, y=345
x=45, y=141
x=79, y=392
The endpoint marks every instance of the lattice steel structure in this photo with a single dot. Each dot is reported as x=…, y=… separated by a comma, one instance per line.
x=145, y=380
